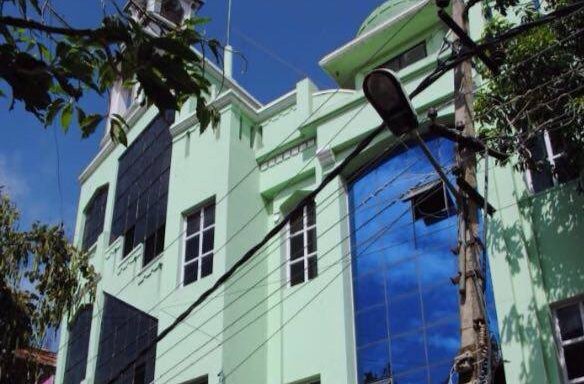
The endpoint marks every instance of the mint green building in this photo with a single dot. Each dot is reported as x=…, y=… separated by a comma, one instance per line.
x=356, y=289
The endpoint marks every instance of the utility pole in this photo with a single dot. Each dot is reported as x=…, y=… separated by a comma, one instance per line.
x=472, y=316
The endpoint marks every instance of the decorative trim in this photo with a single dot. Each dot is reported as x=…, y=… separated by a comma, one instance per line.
x=290, y=152
x=130, y=258
x=282, y=114
x=325, y=156
x=148, y=270
x=357, y=41
x=91, y=251
x=113, y=248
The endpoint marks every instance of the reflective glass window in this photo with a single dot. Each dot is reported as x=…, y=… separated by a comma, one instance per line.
x=412, y=55
x=142, y=189
x=78, y=346
x=94, y=217
x=406, y=307
x=125, y=332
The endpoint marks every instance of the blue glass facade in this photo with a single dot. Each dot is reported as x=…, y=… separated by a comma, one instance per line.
x=406, y=308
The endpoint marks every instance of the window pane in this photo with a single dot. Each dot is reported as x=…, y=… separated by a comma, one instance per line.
x=557, y=141
x=297, y=246
x=415, y=54
x=393, y=64
x=440, y=302
x=369, y=290
x=419, y=376
x=208, y=237
x=443, y=342
x=296, y=273
x=128, y=241
x=574, y=356
x=374, y=363
x=411, y=352
x=564, y=169
x=192, y=248
x=371, y=326
x=570, y=322
x=209, y=215
x=207, y=265
x=405, y=314
x=193, y=223
x=140, y=374
x=311, y=214
x=296, y=222
x=160, y=239
x=311, y=241
x=191, y=272
x=402, y=278
x=149, y=249
x=312, y=267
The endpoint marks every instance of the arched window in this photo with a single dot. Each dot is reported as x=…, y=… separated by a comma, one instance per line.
x=172, y=10
x=94, y=217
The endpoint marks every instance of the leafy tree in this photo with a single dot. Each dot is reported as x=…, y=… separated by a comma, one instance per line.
x=540, y=87
x=58, y=275
x=49, y=68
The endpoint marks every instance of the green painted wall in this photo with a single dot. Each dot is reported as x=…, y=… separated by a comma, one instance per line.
x=256, y=165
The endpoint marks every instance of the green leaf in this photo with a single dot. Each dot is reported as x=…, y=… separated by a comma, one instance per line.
x=89, y=124
x=117, y=132
x=80, y=116
x=52, y=111
x=66, y=116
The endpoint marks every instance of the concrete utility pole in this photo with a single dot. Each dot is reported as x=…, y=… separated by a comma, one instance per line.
x=472, y=316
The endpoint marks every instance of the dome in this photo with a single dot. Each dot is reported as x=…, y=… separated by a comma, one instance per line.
x=384, y=12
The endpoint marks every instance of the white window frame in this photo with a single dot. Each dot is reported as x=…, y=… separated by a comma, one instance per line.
x=561, y=343
x=201, y=209
x=305, y=255
x=550, y=156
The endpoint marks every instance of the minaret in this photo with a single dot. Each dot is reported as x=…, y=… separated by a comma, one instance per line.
x=156, y=16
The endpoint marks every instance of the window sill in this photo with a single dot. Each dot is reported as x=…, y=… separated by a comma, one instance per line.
x=556, y=188
x=114, y=248
x=153, y=266
x=92, y=250
x=130, y=258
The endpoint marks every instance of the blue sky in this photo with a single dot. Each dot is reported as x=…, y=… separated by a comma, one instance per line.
x=35, y=161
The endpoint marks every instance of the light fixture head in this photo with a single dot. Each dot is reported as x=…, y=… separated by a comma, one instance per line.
x=387, y=95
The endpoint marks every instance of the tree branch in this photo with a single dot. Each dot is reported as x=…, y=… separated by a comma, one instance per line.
x=34, y=25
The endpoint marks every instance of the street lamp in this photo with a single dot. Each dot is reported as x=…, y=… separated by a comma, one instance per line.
x=386, y=94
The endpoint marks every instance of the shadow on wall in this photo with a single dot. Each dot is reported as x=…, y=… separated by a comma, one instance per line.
x=543, y=243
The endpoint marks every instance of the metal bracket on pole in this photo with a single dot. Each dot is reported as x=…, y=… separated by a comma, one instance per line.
x=471, y=143
x=467, y=41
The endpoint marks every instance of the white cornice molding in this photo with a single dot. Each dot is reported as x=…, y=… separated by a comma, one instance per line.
x=374, y=31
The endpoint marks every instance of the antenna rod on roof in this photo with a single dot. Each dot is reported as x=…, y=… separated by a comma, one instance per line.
x=228, y=22
x=228, y=57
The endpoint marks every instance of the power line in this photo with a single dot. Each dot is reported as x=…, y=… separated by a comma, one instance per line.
x=348, y=254
x=290, y=181
x=358, y=172
x=375, y=237
x=251, y=252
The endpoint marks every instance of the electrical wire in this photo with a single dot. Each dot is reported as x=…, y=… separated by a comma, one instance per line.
x=290, y=181
x=364, y=168
x=375, y=237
